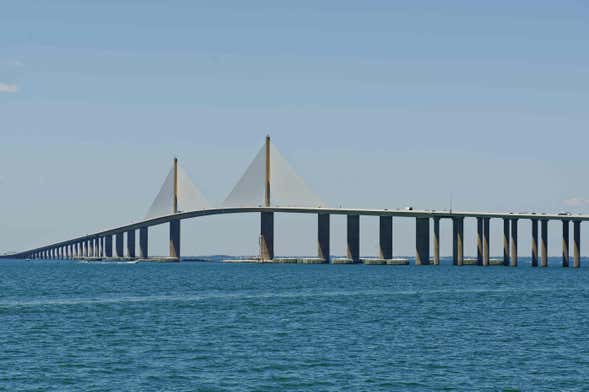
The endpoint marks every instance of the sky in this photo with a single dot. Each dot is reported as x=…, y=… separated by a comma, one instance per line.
x=376, y=104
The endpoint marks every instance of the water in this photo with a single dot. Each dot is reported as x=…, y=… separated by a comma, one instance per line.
x=219, y=327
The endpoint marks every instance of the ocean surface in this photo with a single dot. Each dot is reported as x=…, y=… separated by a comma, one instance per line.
x=73, y=326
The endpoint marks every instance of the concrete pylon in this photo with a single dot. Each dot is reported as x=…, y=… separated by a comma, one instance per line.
x=486, y=234
x=108, y=246
x=175, y=239
x=353, y=238
x=143, y=245
x=436, y=240
x=421, y=241
x=506, y=237
x=577, y=244
x=323, y=237
x=544, y=242
x=565, y=243
x=266, y=236
x=131, y=243
x=119, y=245
x=479, y=241
x=514, y=242
x=385, y=243
x=534, y=242
x=458, y=240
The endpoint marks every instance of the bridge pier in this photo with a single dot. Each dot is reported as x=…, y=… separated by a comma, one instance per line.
x=323, y=237
x=108, y=246
x=565, y=243
x=119, y=245
x=486, y=233
x=577, y=244
x=353, y=238
x=175, y=239
x=534, y=242
x=267, y=236
x=385, y=248
x=506, y=236
x=458, y=240
x=131, y=243
x=91, y=247
x=544, y=242
x=436, y=240
x=479, y=241
x=422, y=241
x=514, y=242
x=143, y=243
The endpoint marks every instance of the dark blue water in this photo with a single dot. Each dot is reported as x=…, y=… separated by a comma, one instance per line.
x=218, y=327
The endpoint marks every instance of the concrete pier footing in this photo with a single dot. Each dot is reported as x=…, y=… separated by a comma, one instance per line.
x=323, y=236
x=266, y=236
x=353, y=238
x=421, y=241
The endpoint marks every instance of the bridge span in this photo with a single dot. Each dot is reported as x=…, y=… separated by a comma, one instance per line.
x=100, y=244
x=120, y=242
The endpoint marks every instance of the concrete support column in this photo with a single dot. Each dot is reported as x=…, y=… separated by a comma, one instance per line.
x=514, y=242
x=486, y=230
x=506, y=235
x=480, y=241
x=108, y=246
x=175, y=239
x=84, y=249
x=436, y=241
x=421, y=241
x=458, y=241
x=534, y=242
x=565, y=243
x=577, y=243
x=385, y=250
x=353, y=244
x=119, y=245
x=323, y=236
x=267, y=236
x=91, y=247
x=544, y=242
x=131, y=243
x=143, y=243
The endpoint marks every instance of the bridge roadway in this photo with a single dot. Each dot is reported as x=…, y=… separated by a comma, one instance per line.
x=99, y=244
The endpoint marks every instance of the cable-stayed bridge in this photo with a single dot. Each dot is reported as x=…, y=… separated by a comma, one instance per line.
x=270, y=185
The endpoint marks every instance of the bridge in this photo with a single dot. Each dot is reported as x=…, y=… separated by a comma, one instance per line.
x=270, y=186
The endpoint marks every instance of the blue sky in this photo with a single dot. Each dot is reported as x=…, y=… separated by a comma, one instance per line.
x=375, y=103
